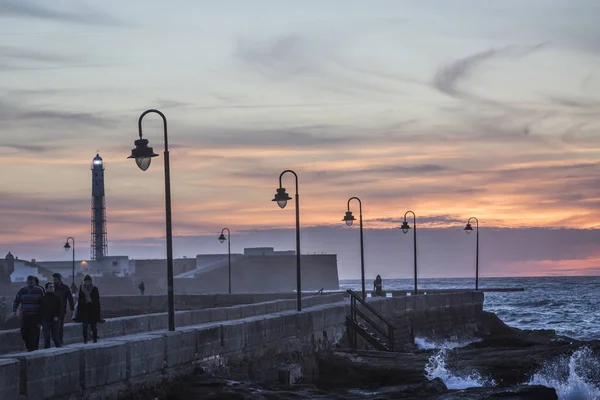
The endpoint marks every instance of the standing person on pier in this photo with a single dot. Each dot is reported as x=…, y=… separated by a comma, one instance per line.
x=378, y=286
x=88, y=308
x=28, y=297
x=50, y=311
x=64, y=293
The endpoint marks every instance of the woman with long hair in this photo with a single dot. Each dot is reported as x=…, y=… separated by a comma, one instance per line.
x=88, y=308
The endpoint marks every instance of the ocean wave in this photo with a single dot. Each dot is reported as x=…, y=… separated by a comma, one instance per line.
x=574, y=378
x=436, y=368
x=453, y=342
x=538, y=303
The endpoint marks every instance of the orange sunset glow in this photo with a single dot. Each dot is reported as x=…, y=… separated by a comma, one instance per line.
x=449, y=119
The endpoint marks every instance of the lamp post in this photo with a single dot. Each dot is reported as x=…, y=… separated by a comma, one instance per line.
x=281, y=197
x=405, y=227
x=67, y=247
x=469, y=229
x=222, y=239
x=143, y=156
x=348, y=218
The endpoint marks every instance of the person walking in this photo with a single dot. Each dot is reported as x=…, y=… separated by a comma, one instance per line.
x=88, y=308
x=50, y=311
x=64, y=294
x=28, y=298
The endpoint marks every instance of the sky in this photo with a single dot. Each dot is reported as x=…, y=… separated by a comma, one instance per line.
x=450, y=109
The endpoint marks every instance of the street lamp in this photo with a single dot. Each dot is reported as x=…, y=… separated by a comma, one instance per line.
x=349, y=218
x=405, y=227
x=281, y=197
x=222, y=239
x=143, y=156
x=469, y=229
x=67, y=247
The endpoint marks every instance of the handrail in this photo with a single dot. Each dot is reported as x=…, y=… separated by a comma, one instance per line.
x=354, y=311
x=369, y=307
x=320, y=291
x=374, y=325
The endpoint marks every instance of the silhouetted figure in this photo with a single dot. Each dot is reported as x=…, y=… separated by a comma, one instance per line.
x=50, y=311
x=64, y=294
x=142, y=287
x=378, y=286
x=37, y=283
x=28, y=297
x=88, y=308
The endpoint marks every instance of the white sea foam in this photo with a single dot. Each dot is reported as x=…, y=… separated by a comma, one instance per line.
x=436, y=368
x=574, y=378
x=452, y=343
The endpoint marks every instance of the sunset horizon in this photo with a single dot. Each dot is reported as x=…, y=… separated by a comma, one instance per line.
x=451, y=111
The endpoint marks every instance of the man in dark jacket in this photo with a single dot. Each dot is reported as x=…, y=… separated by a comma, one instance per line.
x=50, y=311
x=28, y=297
x=64, y=293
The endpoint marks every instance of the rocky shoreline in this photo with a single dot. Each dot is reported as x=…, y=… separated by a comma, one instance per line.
x=503, y=359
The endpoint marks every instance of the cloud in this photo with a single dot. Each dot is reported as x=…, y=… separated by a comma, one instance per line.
x=448, y=78
x=33, y=9
x=32, y=148
x=432, y=220
x=37, y=120
x=315, y=59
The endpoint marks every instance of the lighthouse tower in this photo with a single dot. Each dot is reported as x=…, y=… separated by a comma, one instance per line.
x=98, y=243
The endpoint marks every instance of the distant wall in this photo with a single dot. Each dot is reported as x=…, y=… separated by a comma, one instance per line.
x=250, y=274
x=263, y=274
x=158, y=268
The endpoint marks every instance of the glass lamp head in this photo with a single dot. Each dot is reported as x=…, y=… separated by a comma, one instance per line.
x=468, y=228
x=281, y=197
x=405, y=227
x=349, y=218
x=142, y=154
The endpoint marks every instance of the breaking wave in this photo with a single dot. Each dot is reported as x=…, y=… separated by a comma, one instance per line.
x=436, y=368
x=574, y=378
x=452, y=343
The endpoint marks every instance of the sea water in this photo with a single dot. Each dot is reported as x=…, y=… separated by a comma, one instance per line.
x=568, y=305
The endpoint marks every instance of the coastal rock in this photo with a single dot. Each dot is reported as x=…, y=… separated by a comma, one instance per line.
x=534, y=392
x=510, y=358
x=370, y=369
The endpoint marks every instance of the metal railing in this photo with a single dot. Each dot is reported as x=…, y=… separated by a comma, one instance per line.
x=386, y=334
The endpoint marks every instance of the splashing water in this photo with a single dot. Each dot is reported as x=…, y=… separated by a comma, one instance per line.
x=452, y=343
x=574, y=378
x=436, y=368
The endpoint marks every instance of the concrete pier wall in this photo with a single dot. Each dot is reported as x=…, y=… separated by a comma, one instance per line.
x=117, y=306
x=10, y=340
x=254, y=347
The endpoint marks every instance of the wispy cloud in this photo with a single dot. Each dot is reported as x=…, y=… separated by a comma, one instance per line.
x=448, y=78
x=40, y=10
